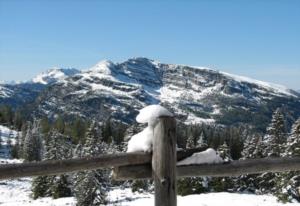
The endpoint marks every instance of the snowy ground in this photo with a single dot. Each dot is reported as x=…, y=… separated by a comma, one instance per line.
x=17, y=193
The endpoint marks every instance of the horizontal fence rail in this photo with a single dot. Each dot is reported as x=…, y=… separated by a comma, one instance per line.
x=9, y=171
x=234, y=168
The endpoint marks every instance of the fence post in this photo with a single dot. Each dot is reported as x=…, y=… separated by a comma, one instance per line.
x=164, y=162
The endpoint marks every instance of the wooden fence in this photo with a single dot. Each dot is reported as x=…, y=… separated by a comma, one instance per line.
x=160, y=165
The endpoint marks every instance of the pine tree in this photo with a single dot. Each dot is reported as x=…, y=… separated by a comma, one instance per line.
x=224, y=152
x=22, y=139
x=274, y=147
x=251, y=147
x=32, y=147
x=220, y=184
x=58, y=147
x=40, y=187
x=192, y=185
x=90, y=187
x=288, y=184
x=0, y=139
x=16, y=147
x=202, y=141
x=190, y=142
x=276, y=135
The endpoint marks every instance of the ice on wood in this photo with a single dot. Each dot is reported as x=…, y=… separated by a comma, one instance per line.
x=142, y=142
x=208, y=156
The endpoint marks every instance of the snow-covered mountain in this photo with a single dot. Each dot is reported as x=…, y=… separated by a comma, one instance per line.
x=17, y=94
x=54, y=75
x=119, y=90
x=194, y=94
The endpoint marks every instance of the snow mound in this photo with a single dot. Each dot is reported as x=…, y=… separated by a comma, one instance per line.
x=150, y=114
x=208, y=156
x=142, y=142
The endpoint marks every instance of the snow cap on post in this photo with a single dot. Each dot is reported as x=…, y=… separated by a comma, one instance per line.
x=151, y=113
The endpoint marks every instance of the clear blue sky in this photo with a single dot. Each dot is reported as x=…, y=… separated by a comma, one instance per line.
x=259, y=39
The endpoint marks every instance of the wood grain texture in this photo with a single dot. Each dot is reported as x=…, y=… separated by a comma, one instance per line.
x=164, y=162
x=143, y=171
x=234, y=168
x=9, y=171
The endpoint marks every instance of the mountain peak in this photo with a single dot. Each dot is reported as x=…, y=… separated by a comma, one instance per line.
x=103, y=66
x=54, y=74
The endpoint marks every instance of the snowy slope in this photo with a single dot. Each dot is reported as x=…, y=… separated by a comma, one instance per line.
x=280, y=89
x=5, y=92
x=54, y=75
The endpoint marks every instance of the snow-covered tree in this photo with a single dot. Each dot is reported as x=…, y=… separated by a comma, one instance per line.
x=90, y=187
x=276, y=135
x=224, y=152
x=288, y=184
x=192, y=185
x=273, y=147
x=32, y=148
x=251, y=147
x=58, y=147
x=0, y=138
x=220, y=184
x=202, y=141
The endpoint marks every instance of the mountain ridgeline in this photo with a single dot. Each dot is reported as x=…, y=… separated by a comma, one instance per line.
x=118, y=90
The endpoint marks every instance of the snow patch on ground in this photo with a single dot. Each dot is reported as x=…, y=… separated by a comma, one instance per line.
x=128, y=198
x=7, y=134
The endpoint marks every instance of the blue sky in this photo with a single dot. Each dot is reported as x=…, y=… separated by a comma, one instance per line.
x=259, y=39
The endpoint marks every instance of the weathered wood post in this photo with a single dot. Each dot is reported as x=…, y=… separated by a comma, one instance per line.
x=164, y=162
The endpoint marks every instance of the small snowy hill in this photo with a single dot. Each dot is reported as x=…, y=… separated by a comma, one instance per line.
x=54, y=75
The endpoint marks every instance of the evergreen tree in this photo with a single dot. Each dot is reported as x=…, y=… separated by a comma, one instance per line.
x=251, y=147
x=288, y=184
x=0, y=139
x=220, y=184
x=273, y=147
x=192, y=185
x=16, y=147
x=224, y=152
x=32, y=147
x=202, y=141
x=40, y=187
x=58, y=147
x=90, y=187
x=276, y=135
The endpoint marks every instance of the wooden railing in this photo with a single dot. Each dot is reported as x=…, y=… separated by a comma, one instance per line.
x=160, y=165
